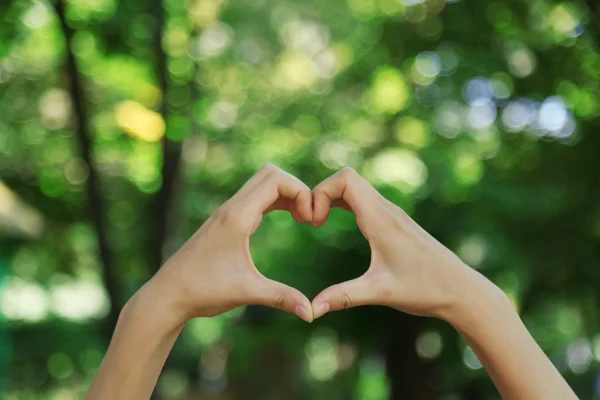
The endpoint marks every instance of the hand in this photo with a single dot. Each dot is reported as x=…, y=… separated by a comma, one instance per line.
x=213, y=271
x=409, y=271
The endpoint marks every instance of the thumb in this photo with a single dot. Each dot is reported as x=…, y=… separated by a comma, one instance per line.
x=353, y=293
x=283, y=297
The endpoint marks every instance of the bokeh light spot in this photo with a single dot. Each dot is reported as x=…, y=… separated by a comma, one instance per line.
x=399, y=167
x=389, y=92
x=579, y=355
x=429, y=345
x=428, y=64
x=139, y=122
x=60, y=366
x=412, y=132
x=322, y=356
x=470, y=359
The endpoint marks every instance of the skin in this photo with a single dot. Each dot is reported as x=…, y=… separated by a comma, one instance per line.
x=410, y=271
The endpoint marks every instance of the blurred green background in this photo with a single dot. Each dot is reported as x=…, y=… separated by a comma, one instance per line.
x=124, y=124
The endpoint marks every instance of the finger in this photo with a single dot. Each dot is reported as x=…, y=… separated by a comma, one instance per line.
x=268, y=292
x=286, y=204
x=346, y=188
x=276, y=185
x=353, y=293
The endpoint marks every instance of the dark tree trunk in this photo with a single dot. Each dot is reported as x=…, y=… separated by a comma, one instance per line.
x=94, y=196
x=171, y=152
x=410, y=377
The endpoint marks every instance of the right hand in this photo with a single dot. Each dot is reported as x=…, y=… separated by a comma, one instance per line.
x=213, y=271
x=410, y=270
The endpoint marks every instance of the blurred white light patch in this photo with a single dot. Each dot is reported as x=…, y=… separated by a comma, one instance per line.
x=521, y=62
x=428, y=64
x=478, y=92
x=470, y=359
x=79, y=300
x=481, y=116
x=579, y=355
x=17, y=218
x=23, y=300
x=308, y=37
x=55, y=108
x=429, y=345
x=552, y=114
x=194, y=150
x=322, y=357
x=37, y=16
x=399, y=167
x=472, y=250
x=214, y=40
x=554, y=118
x=518, y=114
x=294, y=71
x=251, y=50
x=326, y=64
x=223, y=114
x=564, y=20
x=335, y=154
x=448, y=119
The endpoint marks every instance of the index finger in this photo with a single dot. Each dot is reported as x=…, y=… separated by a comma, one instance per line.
x=347, y=189
x=273, y=188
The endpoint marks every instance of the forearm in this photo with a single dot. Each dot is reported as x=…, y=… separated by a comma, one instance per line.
x=143, y=339
x=488, y=322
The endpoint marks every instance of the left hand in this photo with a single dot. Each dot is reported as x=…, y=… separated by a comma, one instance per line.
x=410, y=270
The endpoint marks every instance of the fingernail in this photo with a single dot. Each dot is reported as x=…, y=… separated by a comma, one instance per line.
x=303, y=313
x=322, y=310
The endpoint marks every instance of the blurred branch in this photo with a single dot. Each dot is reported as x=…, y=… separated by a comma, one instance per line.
x=171, y=151
x=409, y=376
x=95, y=204
x=594, y=17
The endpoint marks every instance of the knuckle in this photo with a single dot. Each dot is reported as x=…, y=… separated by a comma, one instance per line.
x=348, y=172
x=226, y=216
x=269, y=168
x=318, y=192
x=345, y=301
x=279, y=302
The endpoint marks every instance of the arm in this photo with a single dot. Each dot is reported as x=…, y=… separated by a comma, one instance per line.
x=487, y=321
x=212, y=273
x=412, y=272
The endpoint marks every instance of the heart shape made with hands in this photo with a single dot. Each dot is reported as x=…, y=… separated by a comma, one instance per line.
x=313, y=206
x=409, y=269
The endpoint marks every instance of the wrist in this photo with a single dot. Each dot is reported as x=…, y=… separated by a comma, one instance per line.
x=475, y=300
x=155, y=303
